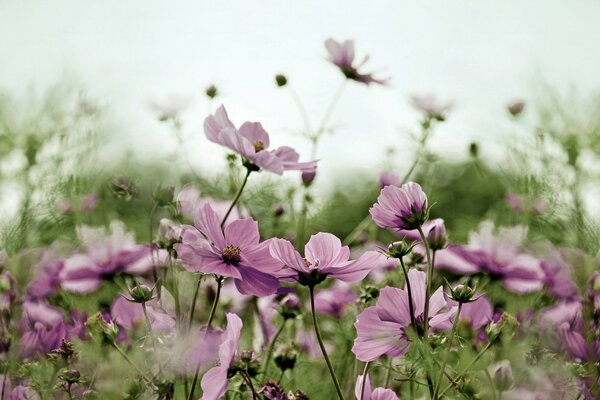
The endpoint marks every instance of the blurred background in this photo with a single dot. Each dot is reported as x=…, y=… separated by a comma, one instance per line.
x=84, y=85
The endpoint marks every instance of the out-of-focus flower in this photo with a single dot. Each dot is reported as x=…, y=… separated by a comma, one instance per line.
x=342, y=56
x=388, y=178
x=431, y=107
x=273, y=391
x=381, y=328
x=324, y=257
x=127, y=314
x=501, y=373
x=516, y=107
x=475, y=314
x=497, y=255
x=235, y=252
x=214, y=381
x=170, y=108
x=515, y=202
x=190, y=202
x=124, y=188
x=252, y=142
x=308, y=177
x=403, y=207
x=89, y=202
x=434, y=230
x=556, y=280
x=372, y=394
x=106, y=254
x=335, y=299
x=40, y=339
x=8, y=290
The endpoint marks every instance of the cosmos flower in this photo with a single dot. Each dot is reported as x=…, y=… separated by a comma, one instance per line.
x=434, y=230
x=214, y=381
x=475, y=314
x=342, y=56
x=252, y=142
x=127, y=314
x=325, y=257
x=190, y=201
x=381, y=328
x=372, y=394
x=171, y=107
x=387, y=178
x=431, y=107
x=403, y=207
x=497, y=255
x=334, y=300
x=234, y=252
x=107, y=254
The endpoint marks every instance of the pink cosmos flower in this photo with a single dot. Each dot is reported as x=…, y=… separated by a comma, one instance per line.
x=334, y=300
x=389, y=178
x=190, y=202
x=381, y=328
x=342, y=56
x=431, y=106
x=235, y=252
x=252, y=142
x=107, y=254
x=214, y=382
x=475, y=314
x=403, y=207
x=370, y=394
x=434, y=230
x=324, y=257
x=171, y=107
x=498, y=255
x=127, y=314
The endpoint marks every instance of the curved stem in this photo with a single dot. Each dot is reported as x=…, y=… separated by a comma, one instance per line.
x=429, y=279
x=411, y=307
x=330, y=109
x=364, y=380
x=271, y=347
x=236, y=198
x=126, y=357
x=321, y=345
x=150, y=333
x=194, y=298
x=466, y=369
x=448, y=349
x=248, y=380
x=301, y=109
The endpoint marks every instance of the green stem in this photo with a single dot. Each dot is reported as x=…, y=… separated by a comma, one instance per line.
x=321, y=345
x=208, y=325
x=429, y=279
x=448, y=349
x=466, y=369
x=150, y=333
x=364, y=380
x=411, y=307
x=175, y=292
x=271, y=347
x=194, y=298
x=236, y=198
x=130, y=361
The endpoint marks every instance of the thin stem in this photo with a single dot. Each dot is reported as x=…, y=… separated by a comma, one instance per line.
x=429, y=278
x=208, y=325
x=352, y=236
x=130, y=361
x=466, y=369
x=330, y=109
x=194, y=298
x=388, y=374
x=301, y=109
x=321, y=345
x=150, y=333
x=272, y=346
x=302, y=218
x=448, y=349
x=236, y=198
x=248, y=380
x=175, y=292
x=364, y=380
x=411, y=307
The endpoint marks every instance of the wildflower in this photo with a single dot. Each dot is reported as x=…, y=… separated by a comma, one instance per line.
x=501, y=373
x=234, y=252
x=515, y=202
x=342, y=56
x=214, y=381
x=285, y=356
x=334, y=300
x=381, y=329
x=370, y=394
x=516, y=108
x=403, y=207
x=252, y=142
x=190, y=202
x=389, y=178
x=325, y=257
x=308, y=177
x=171, y=108
x=497, y=255
x=128, y=314
x=476, y=313
x=431, y=107
x=273, y=391
x=106, y=254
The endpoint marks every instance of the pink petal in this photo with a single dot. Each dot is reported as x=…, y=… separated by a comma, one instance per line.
x=209, y=225
x=242, y=233
x=283, y=251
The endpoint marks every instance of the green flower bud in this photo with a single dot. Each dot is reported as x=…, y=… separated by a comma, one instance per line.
x=281, y=80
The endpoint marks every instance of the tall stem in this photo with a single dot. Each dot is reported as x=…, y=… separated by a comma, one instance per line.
x=364, y=381
x=150, y=333
x=194, y=298
x=236, y=198
x=321, y=345
x=208, y=325
x=271, y=347
x=429, y=279
x=330, y=109
x=466, y=369
x=411, y=307
x=130, y=361
x=448, y=349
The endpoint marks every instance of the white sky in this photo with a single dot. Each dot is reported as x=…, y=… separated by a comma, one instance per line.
x=481, y=54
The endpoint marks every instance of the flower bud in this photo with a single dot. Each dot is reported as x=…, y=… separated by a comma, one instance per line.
x=501, y=373
x=308, y=177
x=248, y=362
x=70, y=376
x=516, y=108
x=169, y=233
x=164, y=195
x=101, y=329
x=211, y=91
x=279, y=210
x=289, y=306
x=506, y=325
x=400, y=249
x=474, y=149
x=273, y=391
x=123, y=188
x=281, y=80
x=298, y=395
x=436, y=237
x=140, y=294
x=389, y=178
x=462, y=294
x=285, y=356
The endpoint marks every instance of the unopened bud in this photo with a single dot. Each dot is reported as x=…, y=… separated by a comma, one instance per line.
x=462, y=294
x=436, y=237
x=308, y=177
x=285, y=356
x=164, y=195
x=281, y=80
x=400, y=249
x=212, y=91
x=501, y=373
x=140, y=294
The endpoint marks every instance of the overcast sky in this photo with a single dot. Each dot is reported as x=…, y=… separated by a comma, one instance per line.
x=480, y=54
